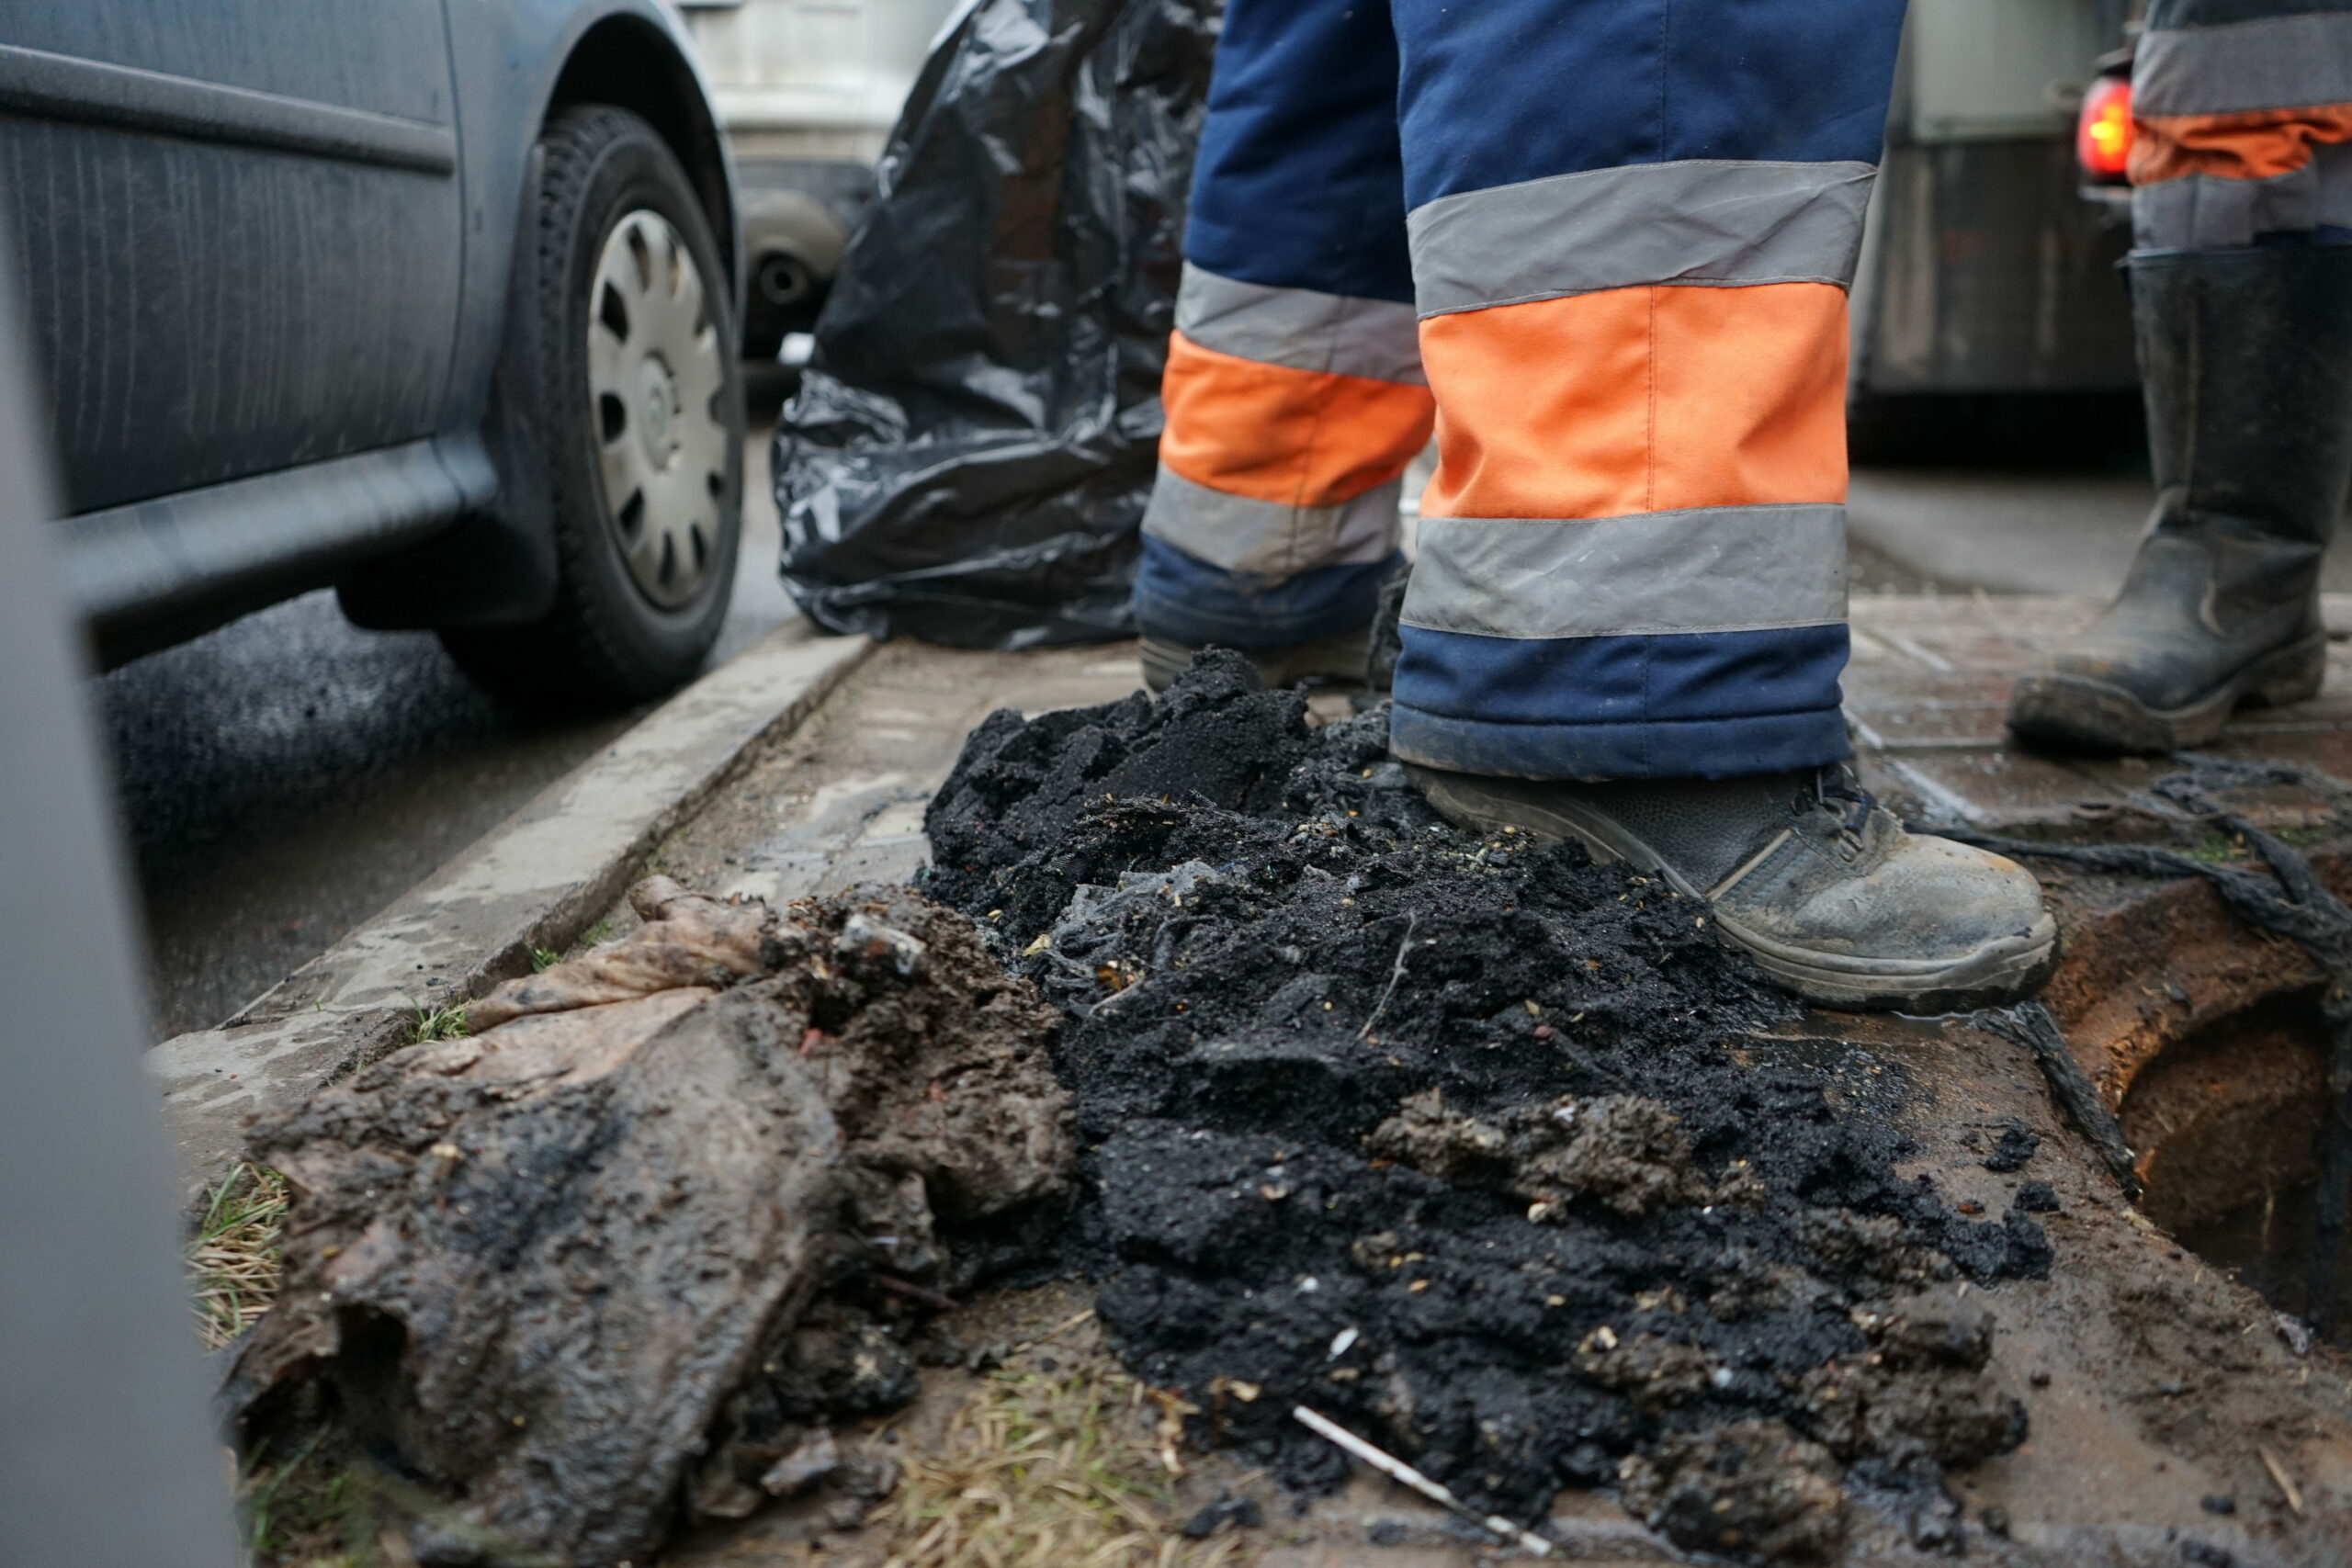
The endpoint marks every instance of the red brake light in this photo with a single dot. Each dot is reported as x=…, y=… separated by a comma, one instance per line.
x=2103, y=131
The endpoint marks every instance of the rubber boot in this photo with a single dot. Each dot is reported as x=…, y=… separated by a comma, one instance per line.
x=1819, y=884
x=2246, y=357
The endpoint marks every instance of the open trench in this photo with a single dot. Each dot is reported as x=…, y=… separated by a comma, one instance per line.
x=1493, y=1157
x=2207, y=1040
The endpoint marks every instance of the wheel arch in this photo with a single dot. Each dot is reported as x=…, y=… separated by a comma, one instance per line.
x=628, y=61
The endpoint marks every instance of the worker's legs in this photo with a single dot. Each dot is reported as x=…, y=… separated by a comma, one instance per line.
x=2242, y=290
x=1633, y=223
x=1294, y=390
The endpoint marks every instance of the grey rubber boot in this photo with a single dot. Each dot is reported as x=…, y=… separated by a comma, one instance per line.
x=1336, y=660
x=1817, y=880
x=2246, y=357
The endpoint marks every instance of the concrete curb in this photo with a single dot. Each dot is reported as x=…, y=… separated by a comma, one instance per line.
x=536, y=880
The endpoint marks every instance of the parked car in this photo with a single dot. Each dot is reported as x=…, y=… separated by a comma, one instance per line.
x=430, y=300
x=807, y=92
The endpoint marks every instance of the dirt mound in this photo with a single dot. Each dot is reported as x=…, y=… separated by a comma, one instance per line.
x=1331, y=1057
x=644, y=1239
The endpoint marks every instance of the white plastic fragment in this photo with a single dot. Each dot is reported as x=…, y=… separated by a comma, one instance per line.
x=1388, y=1465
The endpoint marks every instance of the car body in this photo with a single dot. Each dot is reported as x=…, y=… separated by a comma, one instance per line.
x=807, y=94
x=269, y=249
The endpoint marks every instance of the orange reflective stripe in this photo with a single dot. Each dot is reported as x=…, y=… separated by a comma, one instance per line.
x=1297, y=437
x=2251, y=145
x=1640, y=399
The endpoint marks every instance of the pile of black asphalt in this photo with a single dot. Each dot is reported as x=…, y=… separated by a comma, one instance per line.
x=1454, y=1139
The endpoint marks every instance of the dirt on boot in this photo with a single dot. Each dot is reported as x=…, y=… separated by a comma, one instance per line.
x=605, y=1259
x=1331, y=1057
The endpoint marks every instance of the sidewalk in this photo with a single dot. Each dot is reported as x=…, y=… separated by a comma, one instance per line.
x=1929, y=685
x=1926, y=694
x=2158, y=974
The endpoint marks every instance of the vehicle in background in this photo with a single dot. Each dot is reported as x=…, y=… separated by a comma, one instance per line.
x=429, y=301
x=1987, y=310
x=808, y=91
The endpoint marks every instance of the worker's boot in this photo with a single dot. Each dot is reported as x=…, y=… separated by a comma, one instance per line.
x=1362, y=656
x=1804, y=870
x=2247, y=355
x=1336, y=660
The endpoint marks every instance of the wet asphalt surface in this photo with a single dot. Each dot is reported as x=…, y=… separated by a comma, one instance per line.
x=287, y=776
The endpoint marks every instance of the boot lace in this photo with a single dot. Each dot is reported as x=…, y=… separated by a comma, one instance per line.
x=1834, y=802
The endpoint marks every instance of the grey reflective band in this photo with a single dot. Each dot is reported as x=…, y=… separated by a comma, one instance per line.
x=1336, y=334
x=1701, y=222
x=2275, y=63
x=2206, y=212
x=1267, y=537
x=1715, y=568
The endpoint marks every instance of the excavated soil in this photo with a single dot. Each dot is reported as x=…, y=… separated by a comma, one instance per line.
x=1450, y=1138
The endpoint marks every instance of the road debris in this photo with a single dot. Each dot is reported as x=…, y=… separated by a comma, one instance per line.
x=2287, y=1487
x=1388, y=1465
x=633, y=1243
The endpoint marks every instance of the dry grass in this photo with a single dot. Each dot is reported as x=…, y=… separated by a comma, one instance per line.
x=234, y=1259
x=1036, y=1471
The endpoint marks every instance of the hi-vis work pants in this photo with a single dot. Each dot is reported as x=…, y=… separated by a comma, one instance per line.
x=1604, y=244
x=2242, y=124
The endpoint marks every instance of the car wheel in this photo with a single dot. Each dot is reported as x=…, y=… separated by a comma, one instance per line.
x=633, y=398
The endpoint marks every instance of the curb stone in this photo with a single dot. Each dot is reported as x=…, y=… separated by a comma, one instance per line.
x=536, y=880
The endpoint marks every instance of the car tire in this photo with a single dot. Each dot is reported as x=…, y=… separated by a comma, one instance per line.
x=629, y=399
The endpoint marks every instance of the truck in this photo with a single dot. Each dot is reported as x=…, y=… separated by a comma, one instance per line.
x=1987, y=302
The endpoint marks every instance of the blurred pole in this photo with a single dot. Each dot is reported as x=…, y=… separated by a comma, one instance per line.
x=107, y=1458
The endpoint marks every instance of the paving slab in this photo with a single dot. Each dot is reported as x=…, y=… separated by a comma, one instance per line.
x=842, y=801
x=1928, y=695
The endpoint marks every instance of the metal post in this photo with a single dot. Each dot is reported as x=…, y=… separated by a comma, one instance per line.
x=107, y=1458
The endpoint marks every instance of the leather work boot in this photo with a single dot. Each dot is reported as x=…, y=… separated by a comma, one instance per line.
x=2247, y=355
x=1818, y=881
x=1336, y=660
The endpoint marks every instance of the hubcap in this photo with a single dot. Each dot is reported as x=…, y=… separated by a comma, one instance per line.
x=654, y=376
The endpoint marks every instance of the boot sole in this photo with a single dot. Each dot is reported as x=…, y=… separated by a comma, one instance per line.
x=2003, y=970
x=2079, y=714
x=1338, y=660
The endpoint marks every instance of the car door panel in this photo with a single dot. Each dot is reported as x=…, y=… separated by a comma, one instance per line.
x=240, y=226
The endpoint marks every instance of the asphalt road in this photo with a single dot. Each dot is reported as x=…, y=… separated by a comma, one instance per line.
x=287, y=776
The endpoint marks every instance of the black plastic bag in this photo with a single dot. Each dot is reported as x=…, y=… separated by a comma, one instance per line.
x=969, y=454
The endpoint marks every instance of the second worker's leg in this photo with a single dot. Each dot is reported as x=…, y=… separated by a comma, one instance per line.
x=1294, y=389
x=1633, y=223
x=2242, y=295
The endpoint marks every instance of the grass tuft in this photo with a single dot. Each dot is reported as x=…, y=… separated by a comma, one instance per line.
x=1066, y=1471
x=232, y=1260
x=438, y=1023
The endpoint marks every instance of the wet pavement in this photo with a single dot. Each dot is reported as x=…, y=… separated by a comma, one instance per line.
x=1927, y=691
